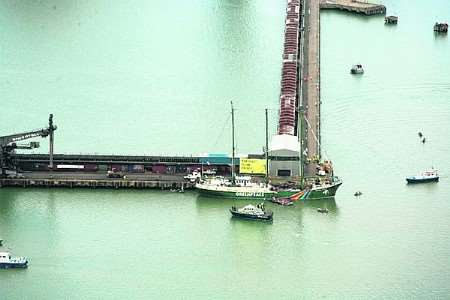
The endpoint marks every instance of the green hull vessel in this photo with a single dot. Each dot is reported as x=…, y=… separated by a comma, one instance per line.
x=324, y=192
x=247, y=193
x=317, y=192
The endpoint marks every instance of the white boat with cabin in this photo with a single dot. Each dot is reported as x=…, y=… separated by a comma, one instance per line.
x=7, y=261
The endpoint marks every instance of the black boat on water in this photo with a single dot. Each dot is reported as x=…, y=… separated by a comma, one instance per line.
x=322, y=210
x=257, y=212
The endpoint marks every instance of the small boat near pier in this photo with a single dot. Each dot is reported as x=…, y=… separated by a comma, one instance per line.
x=322, y=210
x=391, y=20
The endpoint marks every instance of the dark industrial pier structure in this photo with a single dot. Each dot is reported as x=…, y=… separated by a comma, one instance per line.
x=293, y=153
x=299, y=117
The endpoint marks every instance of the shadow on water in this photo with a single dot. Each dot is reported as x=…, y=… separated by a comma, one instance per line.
x=428, y=186
x=392, y=27
x=351, y=15
x=210, y=203
x=207, y=203
x=438, y=36
x=238, y=223
x=222, y=203
x=7, y=198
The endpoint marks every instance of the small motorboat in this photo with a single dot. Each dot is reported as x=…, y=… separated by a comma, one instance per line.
x=7, y=261
x=322, y=210
x=423, y=140
x=358, y=193
x=285, y=201
x=391, y=20
x=357, y=69
x=257, y=212
x=427, y=176
x=441, y=27
x=420, y=134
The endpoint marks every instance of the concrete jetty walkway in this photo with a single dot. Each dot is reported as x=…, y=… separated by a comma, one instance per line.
x=362, y=7
x=309, y=112
x=311, y=85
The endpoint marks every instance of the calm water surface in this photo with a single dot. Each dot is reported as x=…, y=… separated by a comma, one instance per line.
x=146, y=77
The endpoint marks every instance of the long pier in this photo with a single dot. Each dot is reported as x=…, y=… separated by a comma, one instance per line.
x=362, y=7
x=83, y=181
x=91, y=171
x=311, y=86
x=300, y=81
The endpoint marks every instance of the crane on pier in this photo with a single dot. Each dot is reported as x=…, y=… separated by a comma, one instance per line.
x=8, y=144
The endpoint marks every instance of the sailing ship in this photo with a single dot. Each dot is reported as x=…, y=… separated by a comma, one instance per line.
x=238, y=187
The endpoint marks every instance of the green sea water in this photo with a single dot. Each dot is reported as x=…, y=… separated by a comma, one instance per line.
x=155, y=77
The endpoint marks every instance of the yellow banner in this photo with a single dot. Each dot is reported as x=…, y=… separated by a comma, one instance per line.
x=252, y=166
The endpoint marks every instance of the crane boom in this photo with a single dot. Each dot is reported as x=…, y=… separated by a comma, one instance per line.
x=8, y=144
x=5, y=140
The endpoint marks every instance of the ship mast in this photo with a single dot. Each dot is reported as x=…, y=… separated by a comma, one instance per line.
x=233, y=181
x=267, y=148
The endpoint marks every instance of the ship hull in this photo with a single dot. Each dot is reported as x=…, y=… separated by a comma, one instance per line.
x=265, y=217
x=322, y=193
x=422, y=180
x=315, y=193
x=13, y=265
x=236, y=192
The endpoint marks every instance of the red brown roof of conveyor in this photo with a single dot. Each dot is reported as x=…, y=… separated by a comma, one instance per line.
x=289, y=75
